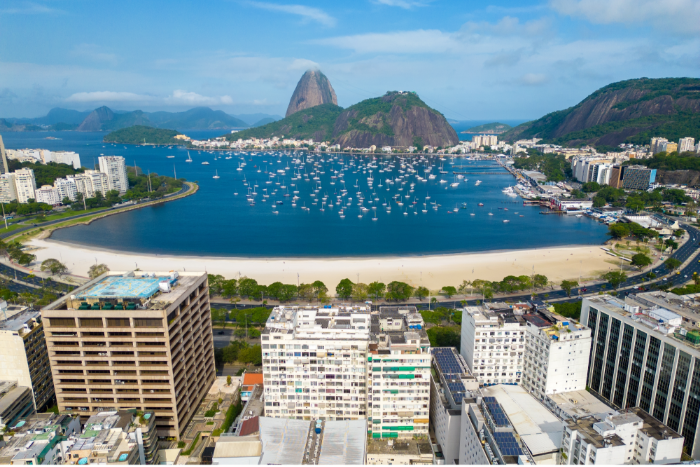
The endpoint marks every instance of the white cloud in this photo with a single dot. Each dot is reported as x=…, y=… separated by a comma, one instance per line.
x=533, y=79
x=108, y=96
x=672, y=16
x=94, y=53
x=192, y=98
x=402, y=42
x=305, y=12
x=405, y=4
x=30, y=8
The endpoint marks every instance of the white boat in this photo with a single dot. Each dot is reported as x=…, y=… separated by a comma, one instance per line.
x=189, y=158
x=478, y=182
x=205, y=163
x=217, y=175
x=170, y=157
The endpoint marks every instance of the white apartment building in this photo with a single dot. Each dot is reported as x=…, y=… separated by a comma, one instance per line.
x=557, y=351
x=25, y=184
x=686, y=144
x=49, y=195
x=451, y=386
x=315, y=362
x=493, y=343
x=399, y=374
x=484, y=140
x=61, y=157
x=658, y=145
x=630, y=437
x=98, y=182
x=115, y=169
x=591, y=169
x=83, y=184
x=8, y=192
x=66, y=187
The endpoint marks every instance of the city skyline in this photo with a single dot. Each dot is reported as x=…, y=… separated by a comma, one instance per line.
x=505, y=60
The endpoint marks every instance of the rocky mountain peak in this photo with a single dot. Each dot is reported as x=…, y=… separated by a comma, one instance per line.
x=312, y=89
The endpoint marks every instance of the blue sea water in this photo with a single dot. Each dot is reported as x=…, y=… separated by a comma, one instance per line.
x=216, y=222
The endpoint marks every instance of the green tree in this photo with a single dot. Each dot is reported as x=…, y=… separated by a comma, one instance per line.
x=96, y=270
x=344, y=289
x=215, y=284
x=618, y=230
x=590, y=187
x=634, y=203
x=641, y=261
x=399, y=291
x=598, y=201
x=376, y=289
x=247, y=287
x=672, y=263
x=615, y=278
x=251, y=355
x=421, y=292
x=219, y=315
x=566, y=286
x=25, y=259
x=449, y=291
x=54, y=266
x=671, y=244
x=539, y=281
x=444, y=336
x=360, y=292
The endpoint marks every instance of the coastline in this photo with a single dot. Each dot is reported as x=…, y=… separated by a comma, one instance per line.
x=432, y=271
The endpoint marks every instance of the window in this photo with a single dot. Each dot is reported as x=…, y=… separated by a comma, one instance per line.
x=91, y=323
x=62, y=322
x=118, y=323
x=148, y=323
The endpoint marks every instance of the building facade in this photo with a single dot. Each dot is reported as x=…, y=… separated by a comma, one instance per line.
x=645, y=356
x=114, y=167
x=23, y=353
x=637, y=177
x=128, y=341
x=49, y=195
x=25, y=185
x=16, y=402
x=8, y=192
x=66, y=188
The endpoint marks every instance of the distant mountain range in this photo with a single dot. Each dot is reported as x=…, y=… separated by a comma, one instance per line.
x=106, y=119
x=631, y=111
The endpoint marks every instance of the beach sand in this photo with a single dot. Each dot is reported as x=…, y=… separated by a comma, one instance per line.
x=433, y=271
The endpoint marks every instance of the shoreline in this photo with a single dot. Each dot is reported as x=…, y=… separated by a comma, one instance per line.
x=432, y=271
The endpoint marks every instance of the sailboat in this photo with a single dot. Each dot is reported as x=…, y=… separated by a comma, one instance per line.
x=217, y=175
x=189, y=158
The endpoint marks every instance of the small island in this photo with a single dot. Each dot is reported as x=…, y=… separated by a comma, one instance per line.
x=488, y=129
x=140, y=134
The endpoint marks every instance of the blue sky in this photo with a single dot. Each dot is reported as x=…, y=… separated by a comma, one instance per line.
x=469, y=59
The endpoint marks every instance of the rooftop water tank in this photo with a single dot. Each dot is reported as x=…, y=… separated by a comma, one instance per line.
x=164, y=286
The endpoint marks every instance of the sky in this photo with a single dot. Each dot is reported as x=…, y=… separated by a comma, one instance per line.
x=471, y=60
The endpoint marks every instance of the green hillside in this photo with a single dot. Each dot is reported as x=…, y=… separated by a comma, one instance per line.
x=316, y=123
x=493, y=128
x=629, y=111
x=140, y=134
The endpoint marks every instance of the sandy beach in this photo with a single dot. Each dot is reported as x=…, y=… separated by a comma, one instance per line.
x=433, y=272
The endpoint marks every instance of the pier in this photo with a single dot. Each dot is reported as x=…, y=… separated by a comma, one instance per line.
x=481, y=173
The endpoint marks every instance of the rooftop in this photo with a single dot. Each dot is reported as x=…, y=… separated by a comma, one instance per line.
x=404, y=447
x=344, y=443
x=538, y=428
x=579, y=403
x=452, y=373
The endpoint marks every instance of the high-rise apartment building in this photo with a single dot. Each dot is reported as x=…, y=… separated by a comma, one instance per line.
x=315, y=362
x=343, y=363
x=23, y=354
x=648, y=356
x=451, y=383
x=3, y=158
x=83, y=184
x=686, y=144
x=658, y=145
x=493, y=343
x=133, y=340
x=98, y=182
x=615, y=176
x=25, y=185
x=8, y=192
x=556, y=354
x=399, y=374
x=671, y=147
x=115, y=169
x=67, y=188
x=16, y=402
x=48, y=194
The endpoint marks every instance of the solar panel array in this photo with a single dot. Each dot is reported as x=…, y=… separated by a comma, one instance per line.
x=447, y=361
x=496, y=411
x=507, y=443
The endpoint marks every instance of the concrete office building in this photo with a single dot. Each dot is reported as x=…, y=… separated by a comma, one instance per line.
x=630, y=437
x=493, y=343
x=23, y=354
x=450, y=384
x=556, y=356
x=115, y=169
x=16, y=402
x=133, y=340
x=315, y=362
x=25, y=185
x=644, y=355
x=637, y=177
x=8, y=191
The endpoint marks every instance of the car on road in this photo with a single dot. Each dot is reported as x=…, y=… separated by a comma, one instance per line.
x=220, y=333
